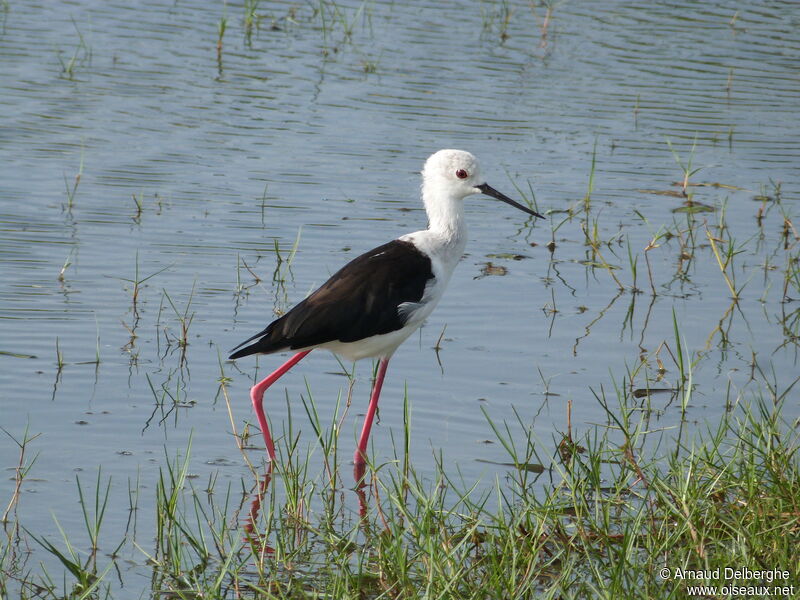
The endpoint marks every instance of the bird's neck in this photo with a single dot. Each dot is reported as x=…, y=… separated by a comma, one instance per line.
x=445, y=216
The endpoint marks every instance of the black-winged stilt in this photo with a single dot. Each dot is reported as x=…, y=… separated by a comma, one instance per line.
x=370, y=306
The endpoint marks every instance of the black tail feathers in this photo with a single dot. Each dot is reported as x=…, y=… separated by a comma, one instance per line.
x=246, y=351
x=263, y=346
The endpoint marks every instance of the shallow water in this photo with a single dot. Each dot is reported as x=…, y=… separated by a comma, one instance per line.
x=307, y=133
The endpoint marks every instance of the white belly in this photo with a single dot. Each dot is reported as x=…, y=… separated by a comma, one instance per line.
x=377, y=346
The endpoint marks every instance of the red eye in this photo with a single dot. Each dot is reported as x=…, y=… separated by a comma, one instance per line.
x=462, y=174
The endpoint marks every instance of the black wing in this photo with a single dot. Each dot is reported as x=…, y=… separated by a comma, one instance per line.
x=358, y=301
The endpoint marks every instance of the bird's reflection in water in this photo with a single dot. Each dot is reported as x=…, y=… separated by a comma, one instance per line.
x=359, y=471
x=251, y=534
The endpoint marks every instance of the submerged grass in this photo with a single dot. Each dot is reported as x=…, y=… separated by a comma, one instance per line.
x=610, y=508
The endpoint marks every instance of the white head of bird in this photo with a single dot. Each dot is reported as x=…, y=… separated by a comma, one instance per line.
x=454, y=173
x=448, y=177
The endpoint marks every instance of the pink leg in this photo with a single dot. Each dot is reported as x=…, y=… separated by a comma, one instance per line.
x=257, y=396
x=361, y=451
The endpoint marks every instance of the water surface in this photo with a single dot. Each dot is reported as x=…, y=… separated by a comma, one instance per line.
x=312, y=132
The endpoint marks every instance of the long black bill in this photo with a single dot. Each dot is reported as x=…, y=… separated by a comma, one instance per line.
x=485, y=188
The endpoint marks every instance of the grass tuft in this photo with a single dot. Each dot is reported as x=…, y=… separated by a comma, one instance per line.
x=606, y=510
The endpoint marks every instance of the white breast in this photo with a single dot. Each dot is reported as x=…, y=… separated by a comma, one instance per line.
x=444, y=253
